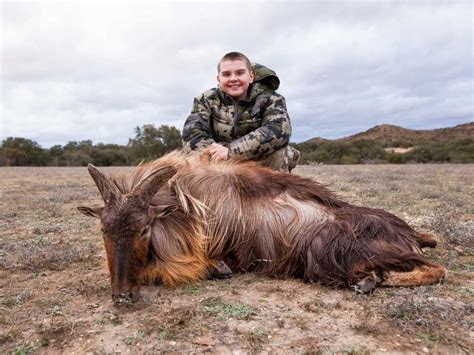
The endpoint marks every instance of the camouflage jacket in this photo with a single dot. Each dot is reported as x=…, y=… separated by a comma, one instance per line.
x=251, y=128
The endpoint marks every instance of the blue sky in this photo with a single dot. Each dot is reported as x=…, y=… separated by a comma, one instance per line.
x=95, y=70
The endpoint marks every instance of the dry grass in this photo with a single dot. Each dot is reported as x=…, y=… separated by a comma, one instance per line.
x=41, y=254
x=431, y=316
x=55, y=293
x=448, y=223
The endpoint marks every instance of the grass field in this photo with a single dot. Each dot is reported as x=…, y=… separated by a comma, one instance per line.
x=55, y=292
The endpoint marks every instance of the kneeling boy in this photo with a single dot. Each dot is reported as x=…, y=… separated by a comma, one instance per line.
x=244, y=118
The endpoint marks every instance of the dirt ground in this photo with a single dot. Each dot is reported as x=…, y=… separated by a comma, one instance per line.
x=55, y=292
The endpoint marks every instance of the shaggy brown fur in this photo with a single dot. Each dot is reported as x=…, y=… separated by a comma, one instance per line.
x=269, y=222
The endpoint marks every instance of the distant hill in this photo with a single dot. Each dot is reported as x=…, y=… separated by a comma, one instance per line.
x=395, y=136
x=393, y=144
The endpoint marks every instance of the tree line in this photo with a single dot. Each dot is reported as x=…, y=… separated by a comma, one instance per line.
x=151, y=142
x=366, y=151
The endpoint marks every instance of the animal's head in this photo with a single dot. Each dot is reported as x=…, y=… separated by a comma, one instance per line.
x=126, y=221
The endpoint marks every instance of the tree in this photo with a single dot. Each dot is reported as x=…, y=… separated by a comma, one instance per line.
x=77, y=153
x=171, y=137
x=56, y=155
x=21, y=151
x=110, y=155
x=151, y=143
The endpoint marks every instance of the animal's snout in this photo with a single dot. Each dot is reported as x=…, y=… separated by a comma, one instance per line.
x=126, y=297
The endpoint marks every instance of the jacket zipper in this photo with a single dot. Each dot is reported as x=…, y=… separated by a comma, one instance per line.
x=236, y=119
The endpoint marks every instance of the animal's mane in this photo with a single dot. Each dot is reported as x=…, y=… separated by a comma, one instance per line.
x=252, y=179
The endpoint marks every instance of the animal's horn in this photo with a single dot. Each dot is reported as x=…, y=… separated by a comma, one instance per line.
x=151, y=183
x=107, y=188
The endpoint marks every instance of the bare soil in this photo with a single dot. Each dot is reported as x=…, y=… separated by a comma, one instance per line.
x=55, y=292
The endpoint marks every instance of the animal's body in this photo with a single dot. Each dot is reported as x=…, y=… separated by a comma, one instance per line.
x=173, y=218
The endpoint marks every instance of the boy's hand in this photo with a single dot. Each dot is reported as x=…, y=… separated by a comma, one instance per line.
x=219, y=152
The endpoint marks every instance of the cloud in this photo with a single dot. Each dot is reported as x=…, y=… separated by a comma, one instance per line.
x=97, y=70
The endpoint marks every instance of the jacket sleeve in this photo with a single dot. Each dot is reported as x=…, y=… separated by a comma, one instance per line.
x=273, y=134
x=197, y=131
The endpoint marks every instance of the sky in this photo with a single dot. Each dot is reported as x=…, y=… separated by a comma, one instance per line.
x=72, y=71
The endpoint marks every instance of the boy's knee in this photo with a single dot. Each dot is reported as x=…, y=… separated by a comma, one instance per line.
x=284, y=159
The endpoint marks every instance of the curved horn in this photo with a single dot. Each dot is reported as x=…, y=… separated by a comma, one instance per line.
x=150, y=184
x=107, y=188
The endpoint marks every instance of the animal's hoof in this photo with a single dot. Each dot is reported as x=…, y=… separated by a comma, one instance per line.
x=125, y=298
x=220, y=272
x=366, y=285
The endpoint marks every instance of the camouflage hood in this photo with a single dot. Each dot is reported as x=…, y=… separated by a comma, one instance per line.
x=265, y=76
x=265, y=80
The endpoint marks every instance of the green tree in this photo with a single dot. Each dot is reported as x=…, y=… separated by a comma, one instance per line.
x=77, y=153
x=151, y=142
x=18, y=151
x=110, y=155
x=56, y=155
x=171, y=137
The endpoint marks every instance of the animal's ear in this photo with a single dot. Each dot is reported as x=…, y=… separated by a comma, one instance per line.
x=151, y=183
x=95, y=212
x=108, y=190
x=161, y=211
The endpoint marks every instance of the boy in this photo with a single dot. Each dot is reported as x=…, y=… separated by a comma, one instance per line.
x=244, y=118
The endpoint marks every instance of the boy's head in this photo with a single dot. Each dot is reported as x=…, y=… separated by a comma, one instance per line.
x=235, y=74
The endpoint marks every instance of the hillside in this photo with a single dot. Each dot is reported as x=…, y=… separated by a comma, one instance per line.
x=393, y=144
x=396, y=136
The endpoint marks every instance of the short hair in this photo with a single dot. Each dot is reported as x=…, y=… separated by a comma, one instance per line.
x=235, y=56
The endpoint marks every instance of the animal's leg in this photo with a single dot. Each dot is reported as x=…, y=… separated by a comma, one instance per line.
x=364, y=279
x=219, y=271
x=421, y=275
x=367, y=284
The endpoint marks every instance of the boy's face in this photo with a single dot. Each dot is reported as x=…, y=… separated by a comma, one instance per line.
x=234, y=78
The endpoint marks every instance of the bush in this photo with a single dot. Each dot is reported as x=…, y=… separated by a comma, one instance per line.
x=333, y=152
